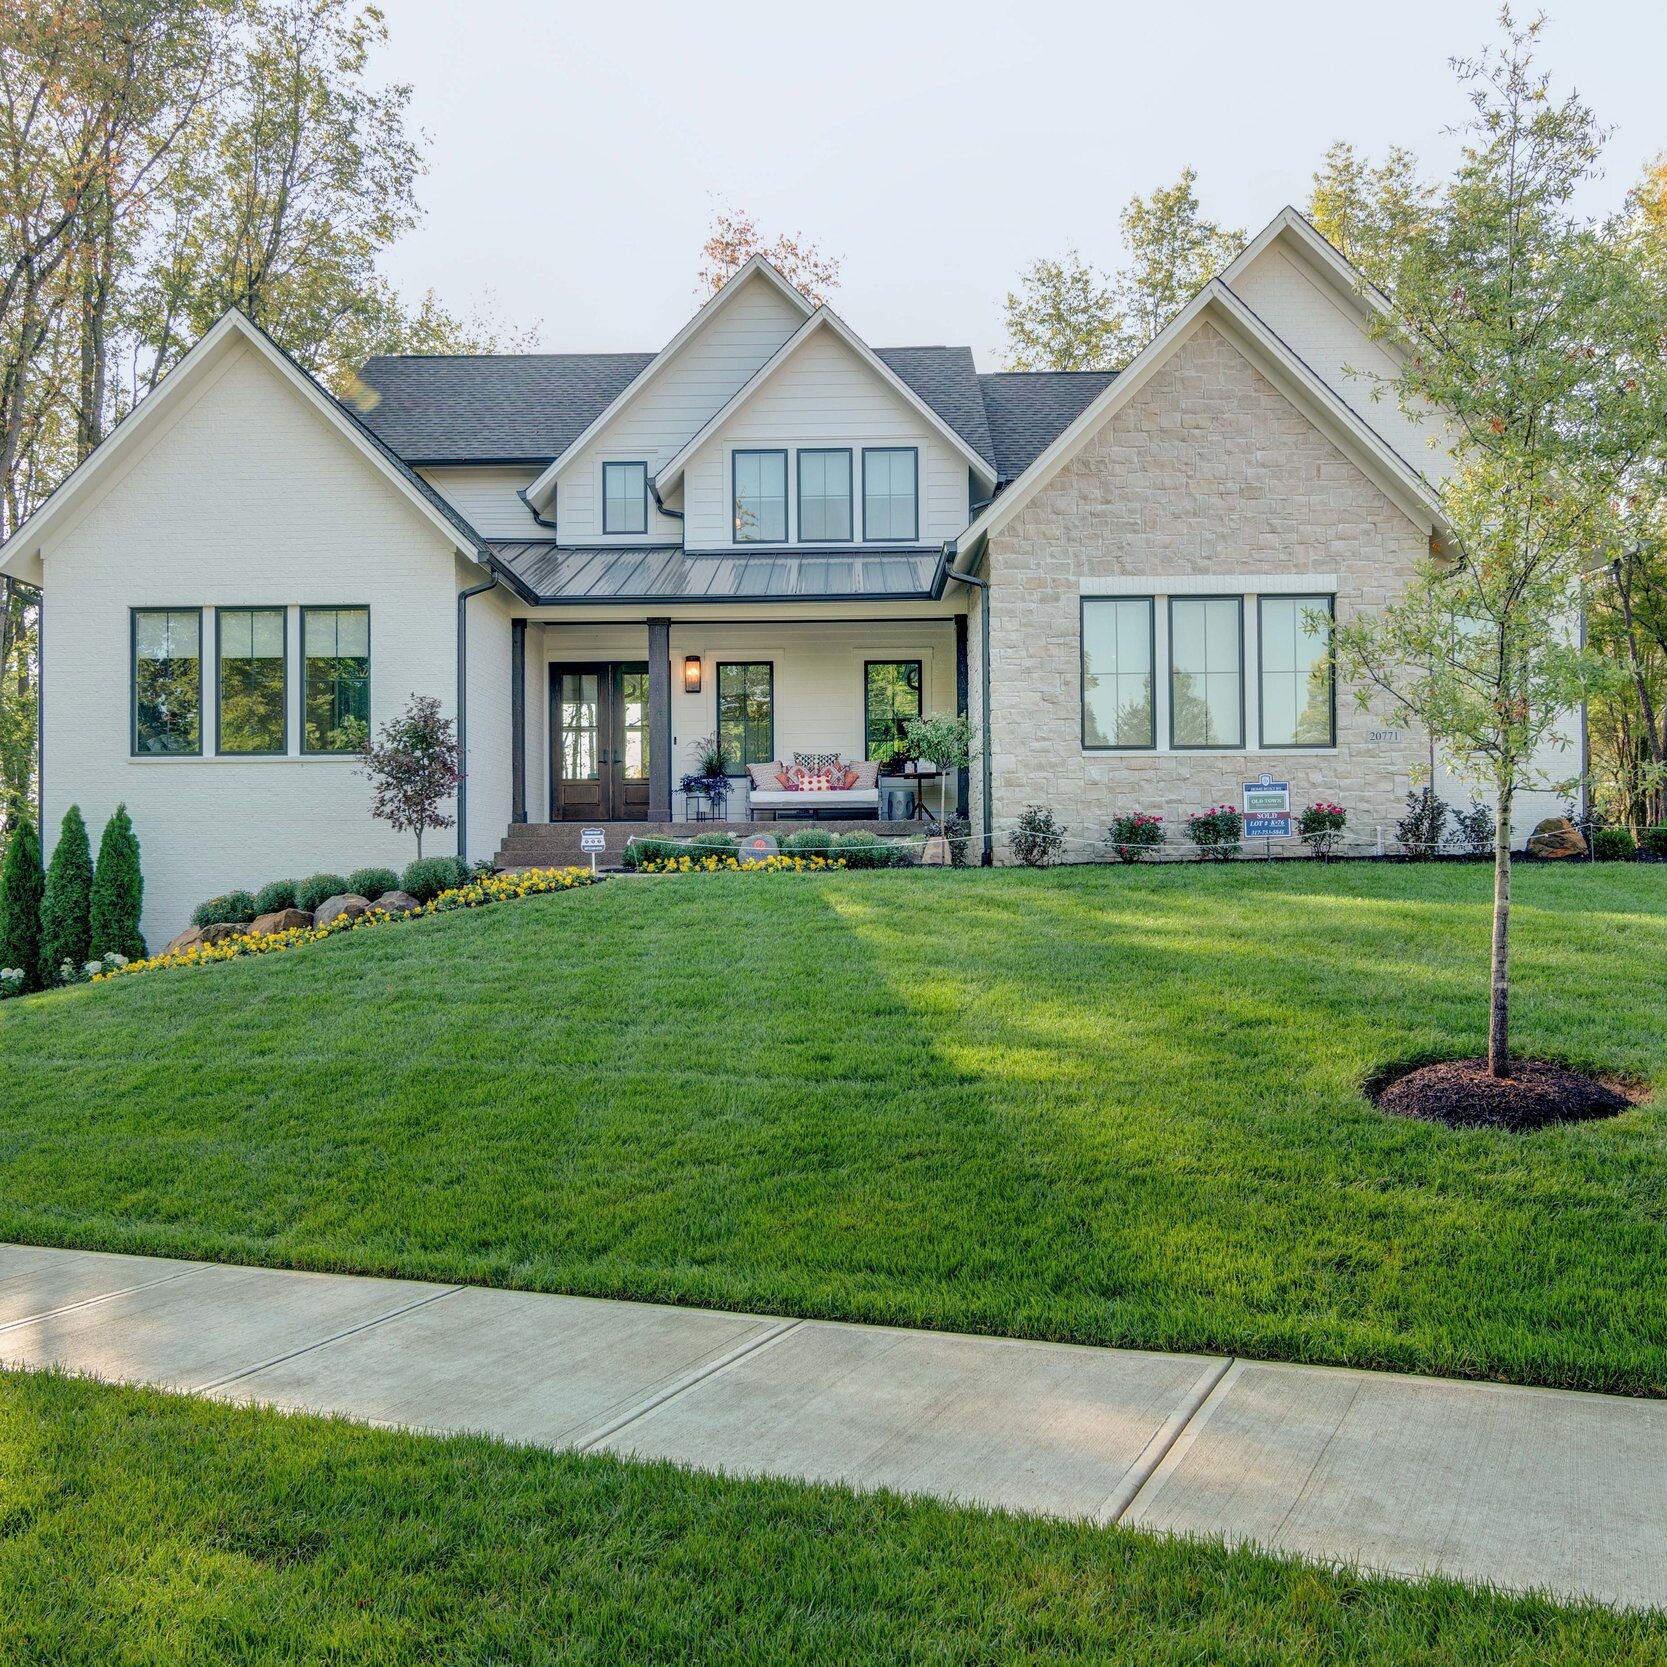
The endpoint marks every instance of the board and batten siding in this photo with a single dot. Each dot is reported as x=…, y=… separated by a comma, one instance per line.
x=704, y=376
x=248, y=498
x=825, y=395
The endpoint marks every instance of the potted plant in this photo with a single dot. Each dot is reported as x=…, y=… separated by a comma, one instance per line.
x=707, y=780
x=943, y=742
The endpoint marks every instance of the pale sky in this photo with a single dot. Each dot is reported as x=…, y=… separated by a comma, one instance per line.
x=576, y=150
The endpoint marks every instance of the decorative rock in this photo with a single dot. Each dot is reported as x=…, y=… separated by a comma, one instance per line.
x=397, y=903
x=199, y=937
x=935, y=853
x=280, y=920
x=1556, y=837
x=190, y=938
x=350, y=903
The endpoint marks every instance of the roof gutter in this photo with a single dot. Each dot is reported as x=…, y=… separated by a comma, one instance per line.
x=950, y=571
x=660, y=503
x=463, y=710
x=527, y=504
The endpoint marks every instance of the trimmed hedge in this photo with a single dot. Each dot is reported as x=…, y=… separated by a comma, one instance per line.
x=640, y=851
x=235, y=908
x=427, y=877
x=1653, y=842
x=713, y=841
x=275, y=895
x=372, y=882
x=1614, y=845
x=809, y=840
x=859, y=849
x=318, y=888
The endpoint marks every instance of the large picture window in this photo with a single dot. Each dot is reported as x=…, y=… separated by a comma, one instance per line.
x=890, y=494
x=1118, y=706
x=335, y=649
x=1298, y=702
x=824, y=497
x=254, y=684
x=167, y=680
x=624, y=497
x=891, y=696
x=746, y=714
x=1206, y=671
x=760, y=497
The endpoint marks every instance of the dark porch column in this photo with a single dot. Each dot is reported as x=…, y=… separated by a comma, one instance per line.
x=659, y=720
x=518, y=719
x=961, y=783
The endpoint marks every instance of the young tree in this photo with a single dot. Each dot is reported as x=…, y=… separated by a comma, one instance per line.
x=1369, y=212
x=66, y=907
x=413, y=769
x=1543, y=342
x=1063, y=316
x=734, y=239
x=118, y=899
x=21, y=885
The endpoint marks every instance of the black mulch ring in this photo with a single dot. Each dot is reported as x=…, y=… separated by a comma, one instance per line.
x=1461, y=1094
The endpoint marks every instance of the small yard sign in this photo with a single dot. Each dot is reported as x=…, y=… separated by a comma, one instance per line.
x=591, y=841
x=756, y=847
x=1267, y=809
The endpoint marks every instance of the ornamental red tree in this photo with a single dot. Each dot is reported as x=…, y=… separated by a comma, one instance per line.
x=413, y=768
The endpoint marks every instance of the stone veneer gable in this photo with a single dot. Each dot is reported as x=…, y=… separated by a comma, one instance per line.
x=1209, y=469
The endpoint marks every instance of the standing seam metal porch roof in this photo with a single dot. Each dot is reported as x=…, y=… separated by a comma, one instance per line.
x=547, y=573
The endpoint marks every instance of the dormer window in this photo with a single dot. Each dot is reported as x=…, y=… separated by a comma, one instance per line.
x=824, y=496
x=760, y=497
x=624, y=497
x=890, y=495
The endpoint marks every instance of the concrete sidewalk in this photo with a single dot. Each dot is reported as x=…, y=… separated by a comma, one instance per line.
x=1519, y=1487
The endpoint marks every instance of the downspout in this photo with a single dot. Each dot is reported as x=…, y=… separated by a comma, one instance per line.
x=984, y=773
x=527, y=504
x=659, y=504
x=463, y=710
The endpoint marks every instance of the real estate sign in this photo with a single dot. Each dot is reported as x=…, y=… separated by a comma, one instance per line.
x=1267, y=809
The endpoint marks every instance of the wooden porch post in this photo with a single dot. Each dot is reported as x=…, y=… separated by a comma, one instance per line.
x=659, y=720
x=518, y=719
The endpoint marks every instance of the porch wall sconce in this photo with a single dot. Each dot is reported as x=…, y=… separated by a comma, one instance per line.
x=691, y=674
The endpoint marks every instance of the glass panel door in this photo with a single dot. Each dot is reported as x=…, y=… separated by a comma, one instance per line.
x=577, y=737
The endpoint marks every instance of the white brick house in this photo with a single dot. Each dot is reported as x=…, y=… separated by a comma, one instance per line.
x=766, y=530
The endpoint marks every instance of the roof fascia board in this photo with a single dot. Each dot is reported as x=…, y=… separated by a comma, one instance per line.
x=1317, y=255
x=1411, y=492
x=756, y=267
x=823, y=318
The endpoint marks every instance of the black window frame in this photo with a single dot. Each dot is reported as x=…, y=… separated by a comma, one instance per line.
x=624, y=463
x=1243, y=743
x=739, y=765
x=221, y=750
x=370, y=660
x=1330, y=600
x=850, y=487
x=889, y=538
x=786, y=502
x=1150, y=598
x=867, y=666
x=133, y=682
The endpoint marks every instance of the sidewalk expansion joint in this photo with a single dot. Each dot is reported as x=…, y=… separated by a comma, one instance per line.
x=322, y=1342
x=103, y=1296
x=1158, y=1448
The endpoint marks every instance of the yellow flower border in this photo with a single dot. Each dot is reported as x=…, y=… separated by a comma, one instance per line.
x=739, y=865
x=475, y=894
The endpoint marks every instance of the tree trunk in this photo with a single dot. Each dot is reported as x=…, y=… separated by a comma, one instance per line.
x=1499, y=1018
x=419, y=842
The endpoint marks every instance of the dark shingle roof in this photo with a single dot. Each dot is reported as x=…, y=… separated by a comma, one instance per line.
x=494, y=407
x=1027, y=409
x=947, y=380
x=667, y=573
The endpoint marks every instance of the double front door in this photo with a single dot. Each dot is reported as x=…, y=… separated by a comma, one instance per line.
x=599, y=741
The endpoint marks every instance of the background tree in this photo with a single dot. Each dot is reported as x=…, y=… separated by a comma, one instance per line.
x=734, y=238
x=1544, y=342
x=1370, y=211
x=1063, y=316
x=413, y=768
x=118, y=899
x=66, y=905
x=21, y=884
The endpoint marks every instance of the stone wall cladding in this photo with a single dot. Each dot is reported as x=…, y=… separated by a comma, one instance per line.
x=1208, y=470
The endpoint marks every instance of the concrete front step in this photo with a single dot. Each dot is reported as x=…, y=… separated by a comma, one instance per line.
x=556, y=844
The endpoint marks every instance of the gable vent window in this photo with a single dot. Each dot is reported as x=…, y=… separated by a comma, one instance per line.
x=760, y=497
x=824, y=496
x=890, y=496
x=624, y=497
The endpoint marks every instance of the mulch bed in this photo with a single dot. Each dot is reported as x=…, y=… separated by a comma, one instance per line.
x=1461, y=1094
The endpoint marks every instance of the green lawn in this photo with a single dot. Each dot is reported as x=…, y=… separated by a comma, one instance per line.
x=1102, y=1105
x=137, y=1527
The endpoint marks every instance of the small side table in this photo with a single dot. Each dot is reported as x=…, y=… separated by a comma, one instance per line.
x=700, y=807
x=917, y=780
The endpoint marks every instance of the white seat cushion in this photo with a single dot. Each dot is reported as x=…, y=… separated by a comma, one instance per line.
x=833, y=798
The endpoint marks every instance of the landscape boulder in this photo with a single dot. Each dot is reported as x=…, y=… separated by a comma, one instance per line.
x=397, y=903
x=1555, y=837
x=350, y=903
x=197, y=937
x=280, y=920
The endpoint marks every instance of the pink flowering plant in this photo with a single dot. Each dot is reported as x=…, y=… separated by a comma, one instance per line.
x=1216, y=831
x=1134, y=837
x=1321, y=826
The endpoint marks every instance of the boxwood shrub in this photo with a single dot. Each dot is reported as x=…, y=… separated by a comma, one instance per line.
x=1614, y=845
x=640, y=851
x=860, y=849
x=316, y=889
x=235, y=908
x=809, y=842
x=427, y=877
x=372, y=882
x=714, y=841
x=1653, y=842
x=275, y=895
